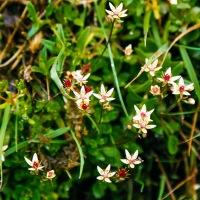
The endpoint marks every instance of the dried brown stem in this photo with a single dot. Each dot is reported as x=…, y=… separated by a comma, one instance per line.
x=12, y=35
x=166, y=178
x=193, y=128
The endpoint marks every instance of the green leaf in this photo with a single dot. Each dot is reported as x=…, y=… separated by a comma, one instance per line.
x=172, y=144
x=146, y=24
x=49, y=10
x=32, y=11
x=191, y=71
x=84, y=38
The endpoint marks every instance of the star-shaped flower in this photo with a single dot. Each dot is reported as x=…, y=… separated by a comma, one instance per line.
x=181, y=88
x=105, y=174
x=116, y=12
x=80, y=78
x=143, y=126
x=168, y=78
x=152, y=68
x=142, y=114
x=104, y=95
x=131, y=160
x=35, y=165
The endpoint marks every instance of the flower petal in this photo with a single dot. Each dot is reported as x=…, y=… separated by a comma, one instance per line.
x=28, y=161
x=125, y=161
x=100, y=178
x=100, y=170
x=135, y=155
x=128, y=155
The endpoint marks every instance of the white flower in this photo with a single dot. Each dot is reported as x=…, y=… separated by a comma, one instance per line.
x=181, y=88
x=131, y=160
x=155, y=90
x=142, y=114
x=168, y=78
x=142, y=126
x=128, y=50
x=104, y=96
x=50, y=174
x=3, y=149
x=116, y=12
x=82, y=98
x=105, y=174
x=79, y=77
x=174, y=2
x=35, y=165
x=82, y=95
x=151, y=68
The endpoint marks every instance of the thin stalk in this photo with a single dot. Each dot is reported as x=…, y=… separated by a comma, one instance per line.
x=101, y=112
x=112, y=62
x=2, y=135
x=16, y=125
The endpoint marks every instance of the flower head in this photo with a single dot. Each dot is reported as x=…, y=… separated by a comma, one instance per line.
x=122, y=174
x=80, y=78
x=116, y=12
x=35, y=165
x=104, y=95
x=168, y=78
x=105, y=174
x=155, y=90
x=142, y=126
x=151, y=68
x=181, y=88
x=142, y=114
x=50, y=174
x=3, y=149
x=131, y=160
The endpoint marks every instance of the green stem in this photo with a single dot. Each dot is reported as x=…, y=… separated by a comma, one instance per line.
x=112, y=63
x=2, y=135
x=16, y=125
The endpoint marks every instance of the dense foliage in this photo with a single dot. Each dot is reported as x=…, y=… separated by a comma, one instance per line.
x=100, y=104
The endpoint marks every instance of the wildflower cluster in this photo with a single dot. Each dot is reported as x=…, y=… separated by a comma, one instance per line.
x=120, y=174
x=167, y=81
x=36, y=167
x=76, y=85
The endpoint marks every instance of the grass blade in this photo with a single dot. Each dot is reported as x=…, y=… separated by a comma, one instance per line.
x=80, y=152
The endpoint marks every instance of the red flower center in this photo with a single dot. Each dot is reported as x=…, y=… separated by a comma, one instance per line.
x=67, y=83
x=181, y=88
x=50, y=174
x=122, y=173
x=84, y=106
x=35, y=165
x=155, y=90
x=143, y=114
x=167, y=77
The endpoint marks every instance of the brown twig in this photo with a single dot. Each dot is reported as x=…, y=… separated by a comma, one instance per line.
x=166, y=178
x=12, y=35
x=192, y=28
x=179, y=185
x=193, y=128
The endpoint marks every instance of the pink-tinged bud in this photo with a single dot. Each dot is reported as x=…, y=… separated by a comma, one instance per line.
x=88, y=88
x=155, y=90
x=128, y=126
x=67, y=83
x=191, y=101
x=71, y=76
x=118, y=25
x=86, y=68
